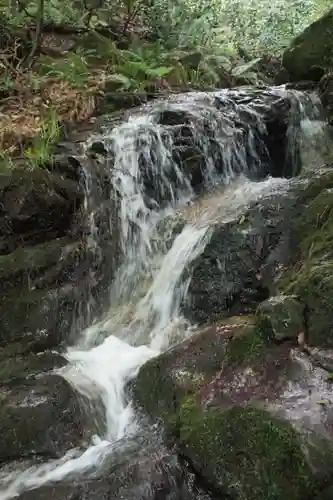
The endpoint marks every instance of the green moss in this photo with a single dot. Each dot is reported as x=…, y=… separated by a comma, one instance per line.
x=312, y=225
x=314, y=286
x=318, y=216
x=249, y=346
x=156, y=391
x=245, y=452
x=311, y=279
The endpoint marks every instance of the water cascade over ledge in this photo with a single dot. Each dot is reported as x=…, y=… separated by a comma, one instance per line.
x=206, y=157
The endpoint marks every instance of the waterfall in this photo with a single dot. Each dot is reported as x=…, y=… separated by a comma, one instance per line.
x=154, y=176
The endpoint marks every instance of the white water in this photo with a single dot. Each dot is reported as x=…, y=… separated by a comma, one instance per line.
x=144, y=316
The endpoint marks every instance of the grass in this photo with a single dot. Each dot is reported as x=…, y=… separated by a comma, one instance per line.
x=35, y=104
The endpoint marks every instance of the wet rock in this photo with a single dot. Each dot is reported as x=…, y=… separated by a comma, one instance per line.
x=236, y=271
x=186, y=368
x=17, y=364
x=284, y=315
x=152, y=474
x=35, y=206
x=326, y=95
x=38, y=416
x=269, y=134
x=41, y=289
x=310, y=52
x=242, y=130
x=254, y=418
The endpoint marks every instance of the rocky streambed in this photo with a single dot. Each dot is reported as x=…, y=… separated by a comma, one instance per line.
x=209, y=315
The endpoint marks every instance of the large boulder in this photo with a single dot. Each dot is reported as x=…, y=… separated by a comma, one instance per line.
x=311, y=53
x=38, y=415
x=236, y=271
x=251, y=415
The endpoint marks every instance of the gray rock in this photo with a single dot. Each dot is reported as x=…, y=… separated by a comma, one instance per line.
x=237, y=269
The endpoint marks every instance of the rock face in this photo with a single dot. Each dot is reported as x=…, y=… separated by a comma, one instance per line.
x=311, y=53
x=252, y=416
x=47, y=268
x=237, y=268
x=311, y=281
x=248, y=399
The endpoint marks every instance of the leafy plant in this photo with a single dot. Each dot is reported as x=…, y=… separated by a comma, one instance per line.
x=41, y=149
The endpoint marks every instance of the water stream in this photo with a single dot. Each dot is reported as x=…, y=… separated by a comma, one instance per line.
x=144, y=316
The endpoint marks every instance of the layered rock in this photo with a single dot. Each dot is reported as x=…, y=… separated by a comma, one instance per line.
x=48, y=268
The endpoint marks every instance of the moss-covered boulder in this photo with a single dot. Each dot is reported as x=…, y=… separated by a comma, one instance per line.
x=314, y=287
x=310, y=276
x=284, y=315
x=250, y=414
x=311, y=52
x=245, y=452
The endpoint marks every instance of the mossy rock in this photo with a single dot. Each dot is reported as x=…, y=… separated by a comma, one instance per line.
x=38, y=416
x=32, y=259
x=284, y=315
x=312, y=217
x=39, y=319
x=314, y=286
x=18, y=367
x=311, y=52
x=310, y=278
x=187, y=368
x=245, y=452
x=234, y=399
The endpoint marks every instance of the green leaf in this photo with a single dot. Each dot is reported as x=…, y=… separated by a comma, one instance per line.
x=159, y=72
x=122, y=79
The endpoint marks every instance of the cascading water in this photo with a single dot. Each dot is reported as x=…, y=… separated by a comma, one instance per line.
x=144, y=316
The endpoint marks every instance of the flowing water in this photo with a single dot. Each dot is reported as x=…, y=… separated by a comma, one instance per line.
x=144, y=316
